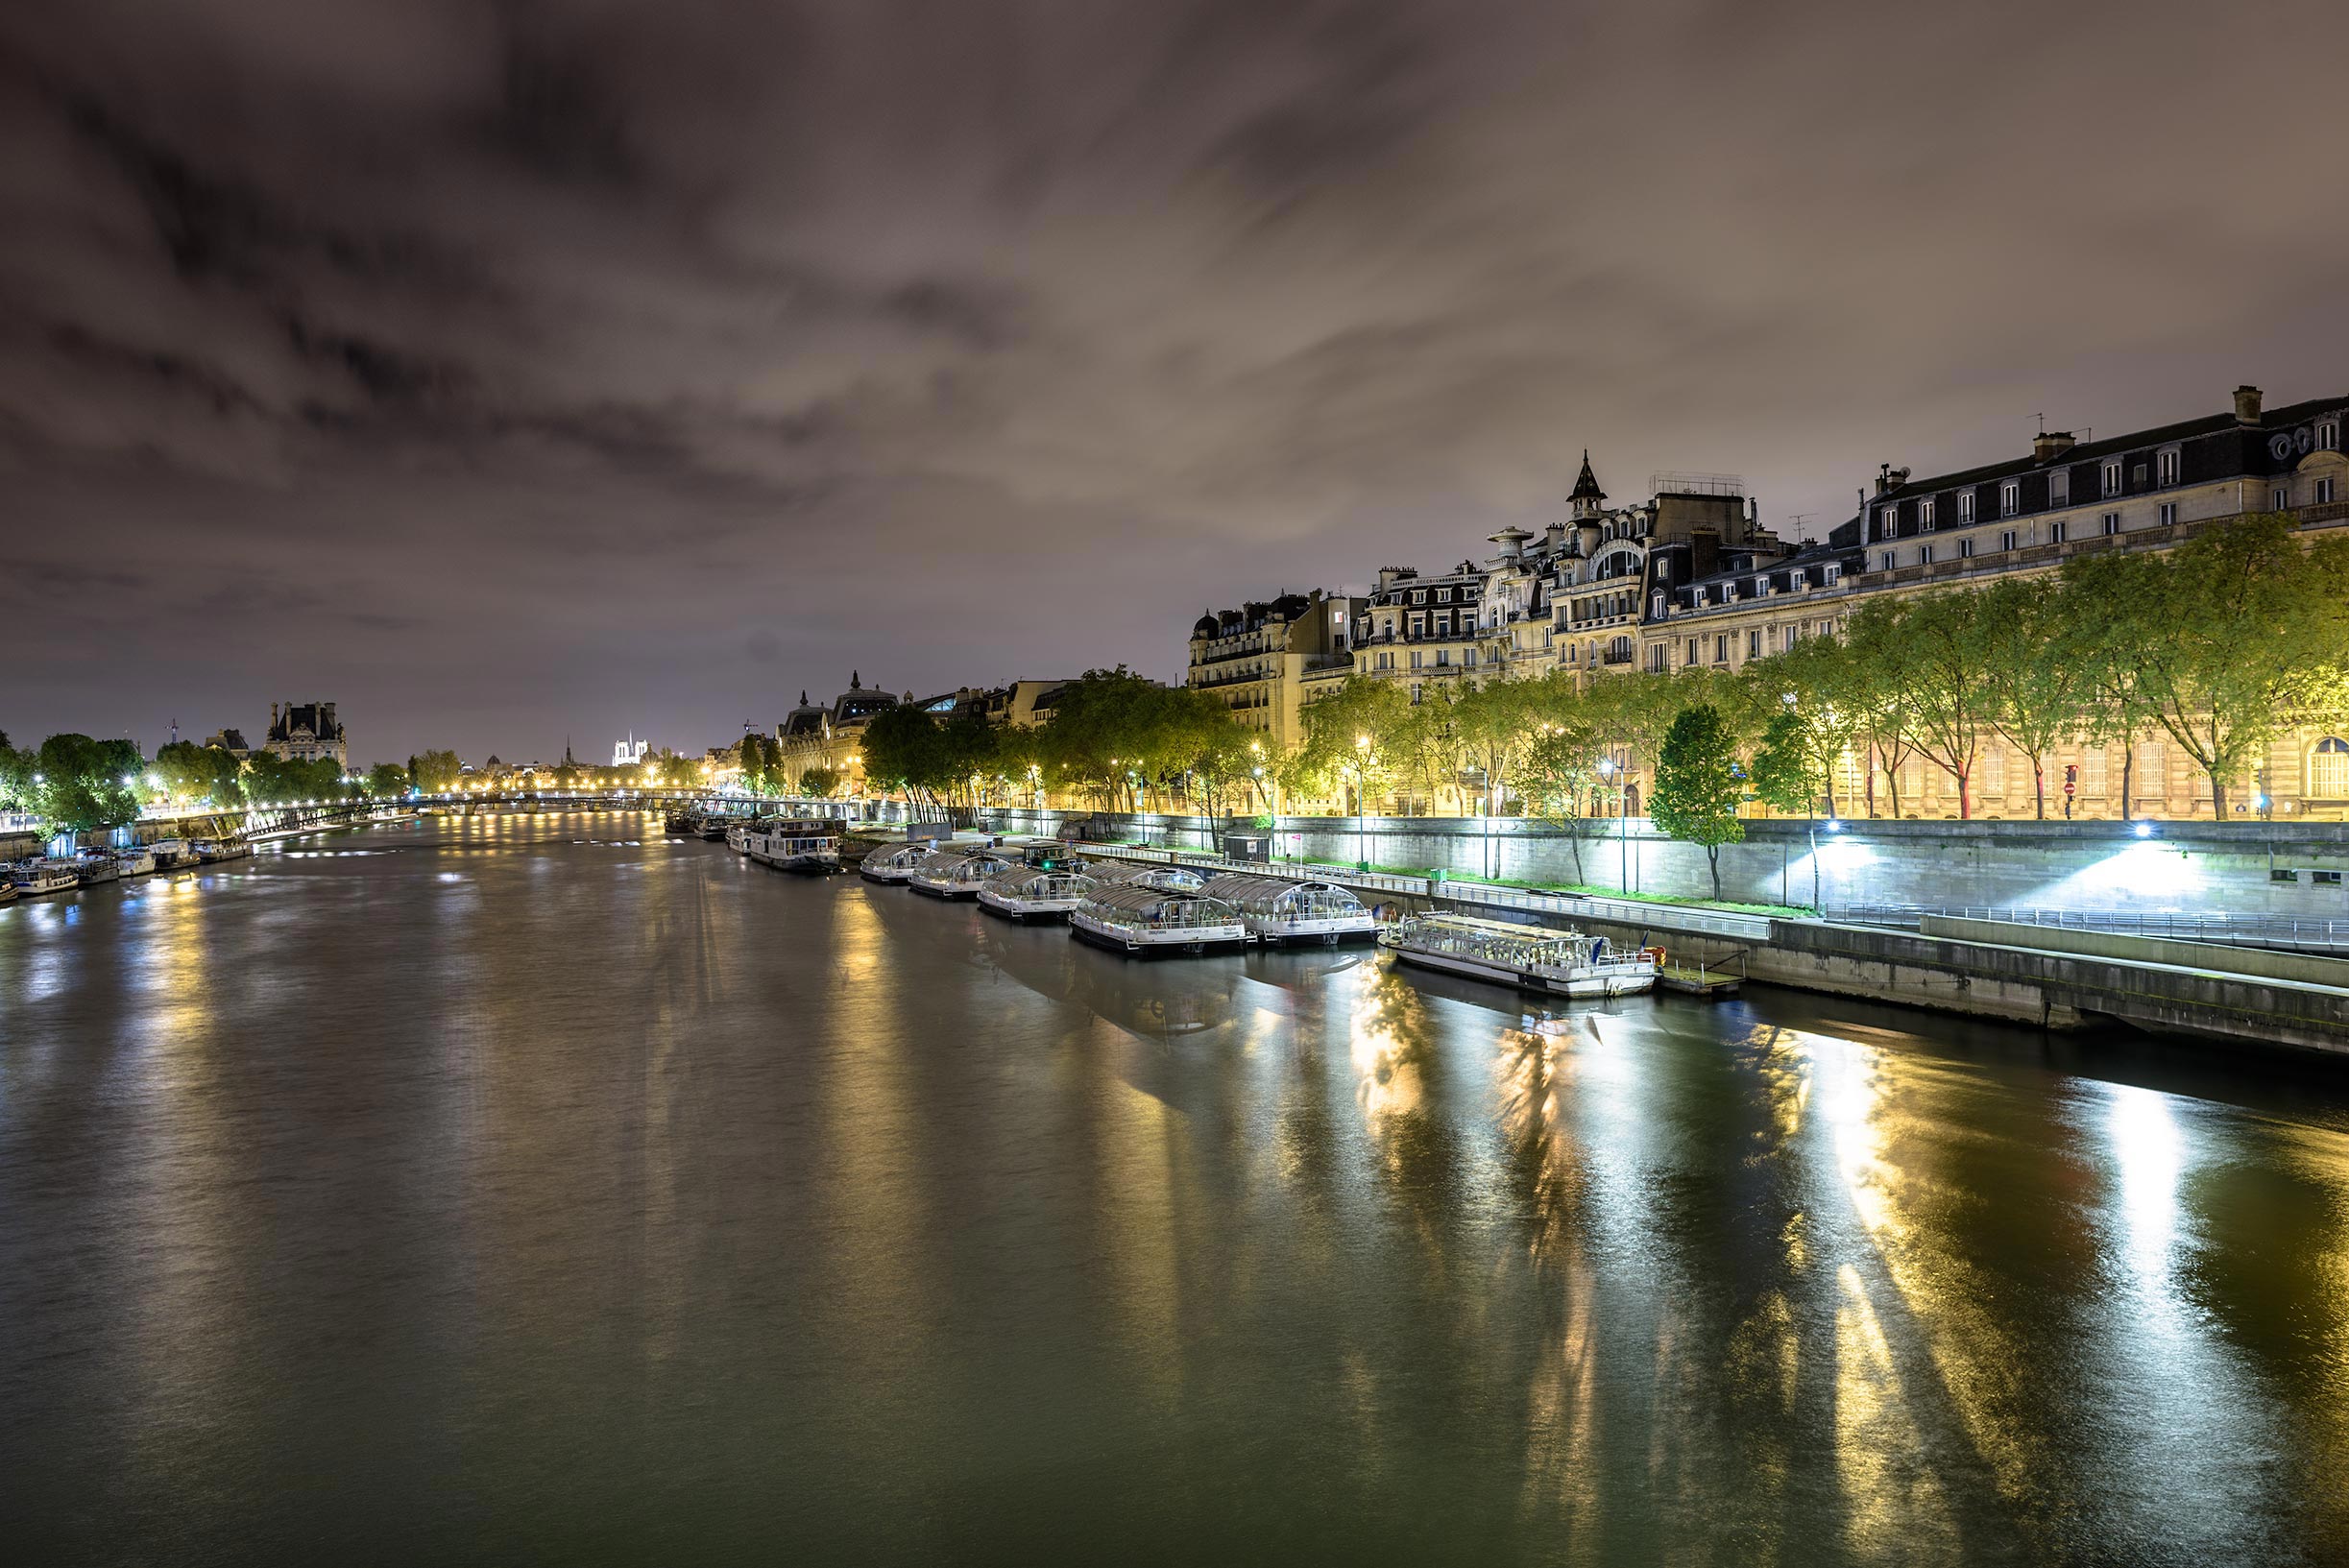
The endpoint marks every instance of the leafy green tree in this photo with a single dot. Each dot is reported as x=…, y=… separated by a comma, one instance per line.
x=2255, y=643
x=1947, y=642
x=2039, y=692
x=16, y=777
x=1349, y=741
x=820, y=783
x=77, y=784
x=435, y=772
x=1699, y=784
x=197, y=773
x=386, y=779
x=1560, y=774
x=1883, y=676
x=1813, y=709
x=2112, y=613
x=1496, y=724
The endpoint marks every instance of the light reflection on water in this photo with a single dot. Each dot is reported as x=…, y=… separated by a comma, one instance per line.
x=527, y=1188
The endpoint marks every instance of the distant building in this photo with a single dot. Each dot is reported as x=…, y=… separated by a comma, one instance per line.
x=818, y=735
x=628, y=753
x=231, y=741
x=306, y=733
x=1259, y=659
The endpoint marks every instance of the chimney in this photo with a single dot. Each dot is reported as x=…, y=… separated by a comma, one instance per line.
x=2246, y=406
x=2049, y=445
x=273, y=718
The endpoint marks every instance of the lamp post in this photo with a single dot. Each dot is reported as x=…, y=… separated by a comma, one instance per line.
x=1361, y=807
x=1623, y=822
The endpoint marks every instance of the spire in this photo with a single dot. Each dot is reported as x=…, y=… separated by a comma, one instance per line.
x=855, y=681
x=1586, y=500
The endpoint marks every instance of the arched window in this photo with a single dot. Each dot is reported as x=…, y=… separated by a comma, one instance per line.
x=2329, y=769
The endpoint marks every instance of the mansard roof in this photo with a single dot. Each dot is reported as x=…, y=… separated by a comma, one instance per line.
x=1586, y=483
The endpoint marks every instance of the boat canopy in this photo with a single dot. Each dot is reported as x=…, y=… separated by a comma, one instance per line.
x=964, y=868
x=1277, y=898
x=1132, y=903
x=938, y=863
x=1037, y=883
x=1148, y=874
x=898, y=856
x=1524, y=945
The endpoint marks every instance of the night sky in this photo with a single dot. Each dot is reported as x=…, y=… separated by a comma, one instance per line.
x=506, y=372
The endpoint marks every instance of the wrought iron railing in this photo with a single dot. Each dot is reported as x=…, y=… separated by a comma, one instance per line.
x=2246, y=930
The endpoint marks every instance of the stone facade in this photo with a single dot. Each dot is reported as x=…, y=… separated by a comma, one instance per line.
x=1261, y=660
x=305, y=732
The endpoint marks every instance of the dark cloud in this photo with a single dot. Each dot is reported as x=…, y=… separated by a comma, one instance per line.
x=511, y=371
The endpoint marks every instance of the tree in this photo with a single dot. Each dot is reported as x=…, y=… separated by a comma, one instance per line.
x=2039, y=692
x=1813, y=713
x=1496, y=726
x=1946, y=641
x=1560, y=773
x=818, y=782
x=198, y=773
x=2112, y=616
x=1882, y=677
x=2254, y=641
x=435, y=772
x=78, y=784
x=1699, y=784
x=1347, y=739
x=386, y=779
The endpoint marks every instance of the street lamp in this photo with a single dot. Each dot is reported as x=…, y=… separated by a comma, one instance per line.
x=1361, y=807
x=1623, y=822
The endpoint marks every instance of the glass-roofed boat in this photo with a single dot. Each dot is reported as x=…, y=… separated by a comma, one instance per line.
x=795, y=843
x=1034, y=893
x=1528, y=957
x=1282, y=913
x=1136, y=918
x=1156, y=874
x=895, y=862
x=956, y=874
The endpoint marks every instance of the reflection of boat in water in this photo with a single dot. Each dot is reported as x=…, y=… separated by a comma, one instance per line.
x=1528, y=957
x=956, y=874
x=1136, y=918
x=1281, y=912
x=1029, y=893
x=794, y=844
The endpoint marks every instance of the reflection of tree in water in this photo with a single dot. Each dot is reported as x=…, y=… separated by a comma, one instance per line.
x=1393, y=1044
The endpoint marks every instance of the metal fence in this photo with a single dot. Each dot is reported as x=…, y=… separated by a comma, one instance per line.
x=2286, y=931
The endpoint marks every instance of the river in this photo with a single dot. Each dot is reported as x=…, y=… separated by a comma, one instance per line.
x=516, y=1189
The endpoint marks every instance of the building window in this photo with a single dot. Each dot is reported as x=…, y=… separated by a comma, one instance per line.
x=2329, y=769
x=1833, y=572
x=1419, y=595
x=2092, y=771
x=1656, y=605
x=2112, y=478
x=1887, y=522
x=1754, y=644
x=1692, y=650
x=2111, y=522
x=2010, y=498
x=1886, y=561
x=1444, y=658
x=1924, y=555
x=2279, y=498
x=1964, y=506
x=2166, y=467
x=2059, y=486
x=1414, y=659
x=2006, y=540
x=2328, y=434
x=2169, y=513
x=1419, y=626
x=1965, y=549
x=2058, y=531
x=1925, y=513
x=1721, y=649
x=1468, y=658
x=1415, y=691
x=1443, y=596
x=2324, y=492
x=1994, y=771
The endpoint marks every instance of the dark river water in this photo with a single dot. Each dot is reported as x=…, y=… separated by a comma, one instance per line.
x=534, y=1188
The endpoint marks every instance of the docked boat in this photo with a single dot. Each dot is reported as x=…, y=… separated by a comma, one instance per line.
x=134, y=860
x=738, y=838
x=44, y=875
x=1135, y=918
x=1528, y=957
x=8, y=890
x=91, y=867
x=795, y=843
x=715, y=829
x=1051, y=855
x=896, y=862
x=171, y=853
x=213, y=850
x=1034, y=893
x=1284, y=913
x=682, y=825
x=957, y=874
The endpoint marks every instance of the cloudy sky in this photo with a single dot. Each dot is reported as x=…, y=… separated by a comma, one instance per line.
x=510, y=371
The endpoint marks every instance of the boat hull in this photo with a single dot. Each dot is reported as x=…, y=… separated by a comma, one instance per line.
x=1314, y=933
x=1135, y=943
x=950, y=892
x=1024, y=913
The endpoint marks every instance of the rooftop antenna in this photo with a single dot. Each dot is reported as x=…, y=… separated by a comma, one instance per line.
x=1798, y=519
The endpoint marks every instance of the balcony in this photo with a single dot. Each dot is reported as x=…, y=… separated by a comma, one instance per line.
x=1617, y=655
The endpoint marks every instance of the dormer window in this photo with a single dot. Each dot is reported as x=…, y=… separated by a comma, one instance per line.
x=1832, y=572
x=1656, y=605
x=1964, y=506
x=2328, y=434
x=1887, y=522
x=1443, y=596
x=2010, y=498
x=1419, y=595
x=1925, y=513
x=2166, y=466
x=2059, y=486
x=2112, y=478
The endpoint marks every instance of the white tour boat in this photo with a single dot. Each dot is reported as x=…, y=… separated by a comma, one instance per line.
x=795, y=843
x=957, y=874
x=213, y=851
x=896, y=862
x=1135, y=918
x=94, y=866
x=1528, y=957
x=1027, y=892
x=134, y=860
x=44, y=875
x=1280, y=912
x=171, y=853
